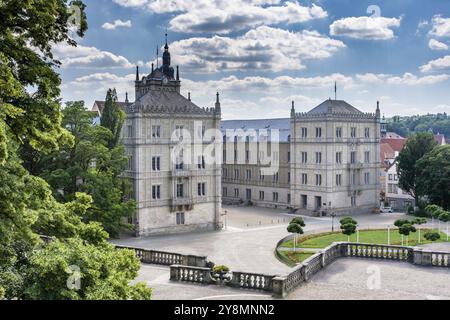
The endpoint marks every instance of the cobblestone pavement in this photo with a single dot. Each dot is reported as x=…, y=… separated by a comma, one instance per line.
x=249, y=242
x=346, y=278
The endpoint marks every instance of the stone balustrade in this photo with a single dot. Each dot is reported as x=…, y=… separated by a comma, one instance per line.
x=167, y=258
x=190, y=274
x=251, y=281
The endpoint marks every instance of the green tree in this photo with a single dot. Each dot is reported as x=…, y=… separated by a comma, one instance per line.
x=30, y=115
x=348, y=226
x=416, y=147
x=90, y=166
x=405, y=228
x=95, y=272
x=432, y=236
x=296, y=227
x=112, y=117
x=434, y=178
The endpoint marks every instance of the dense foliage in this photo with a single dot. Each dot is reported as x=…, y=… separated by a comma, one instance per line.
x=31, y=117
x=91, y=165
x=406, y=126
x=417, y=146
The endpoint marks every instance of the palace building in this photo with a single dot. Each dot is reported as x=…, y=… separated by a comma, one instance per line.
x=174, y=192
x=328, y=160
x=323, y=161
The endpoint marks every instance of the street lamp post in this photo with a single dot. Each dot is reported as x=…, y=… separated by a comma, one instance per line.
x=333, y=215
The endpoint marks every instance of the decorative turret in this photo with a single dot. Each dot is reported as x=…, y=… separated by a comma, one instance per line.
x=189, y=96
x=178, y=73
x=137, y=73
x=126, y=98
x=218, y=109
x=293, y=110
x=378, y=113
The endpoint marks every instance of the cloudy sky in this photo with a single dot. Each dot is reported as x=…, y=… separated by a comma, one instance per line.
x=261, y=54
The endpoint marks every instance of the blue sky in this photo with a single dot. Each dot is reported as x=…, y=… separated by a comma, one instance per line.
x=261, y=54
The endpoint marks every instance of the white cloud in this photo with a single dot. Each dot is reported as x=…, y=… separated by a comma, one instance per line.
x=218, y=16
x=442, y=64
x=88, y=57
x=407, y=79
x=117, y=24
x=262, y=84
x=437, y=45
x=366, y=28
x=264, y=48
x=441, y=27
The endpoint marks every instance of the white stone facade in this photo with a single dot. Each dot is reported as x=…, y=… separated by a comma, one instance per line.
x=312, y=178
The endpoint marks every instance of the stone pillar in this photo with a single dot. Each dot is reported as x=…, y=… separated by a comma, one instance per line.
x=279, y=287
x=422, y=257
x=174, y=273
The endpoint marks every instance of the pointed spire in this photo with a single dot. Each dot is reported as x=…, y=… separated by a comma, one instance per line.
x=153, y=67
x=218, y=110
x=293, y=110
x=157, y=56
x=137, y=73
x=335, y=90
x=378, y=113
x=189, y=96
x=178, y=73
x=126, y=97
x=166, y=46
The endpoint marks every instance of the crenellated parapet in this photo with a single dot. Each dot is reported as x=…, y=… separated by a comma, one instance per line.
x=337, y=115
x=182, y=110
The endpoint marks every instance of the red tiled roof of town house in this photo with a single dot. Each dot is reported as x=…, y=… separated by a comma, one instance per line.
x=440, y=139
x=386, y=153
x=396, y=144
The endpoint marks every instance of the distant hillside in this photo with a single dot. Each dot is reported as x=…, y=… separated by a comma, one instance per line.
x=405, y=126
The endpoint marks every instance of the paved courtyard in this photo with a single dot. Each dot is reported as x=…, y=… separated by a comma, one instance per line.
x=345, y=279
x=248, y=244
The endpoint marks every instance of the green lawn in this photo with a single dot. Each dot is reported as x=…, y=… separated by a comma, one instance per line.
x=295, y=257
x=365, y=236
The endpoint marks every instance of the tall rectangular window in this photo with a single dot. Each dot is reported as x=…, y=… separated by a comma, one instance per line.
x=339, y=157
x=130, y=131
x=367, y=178
x=156, y=192
x=236, y=173
x=275, y=197
x=367, y=132
x=236, y=193
x=156, y=131
x=367, y=157
x=180, y=190
x=318, y=157
x=289, y=177
x=304, y=157
x=353, y=157
x=339, y=180
x=249, y=174
x=289, y=198
x=304, y=178
x=201, y=189
x=339, y=132
x=318, y=179
x=156, y=163
x=201, y=162
x=353, y=132
x=225, y=191
x=304, y=132
x=318, y=132
x=289, y=156
x=180, y=218
x=261, y=195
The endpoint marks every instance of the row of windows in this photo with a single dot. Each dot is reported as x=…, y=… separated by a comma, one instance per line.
x=156, y=131
x=262, y=195
x=353, y=132
x=156, y=191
